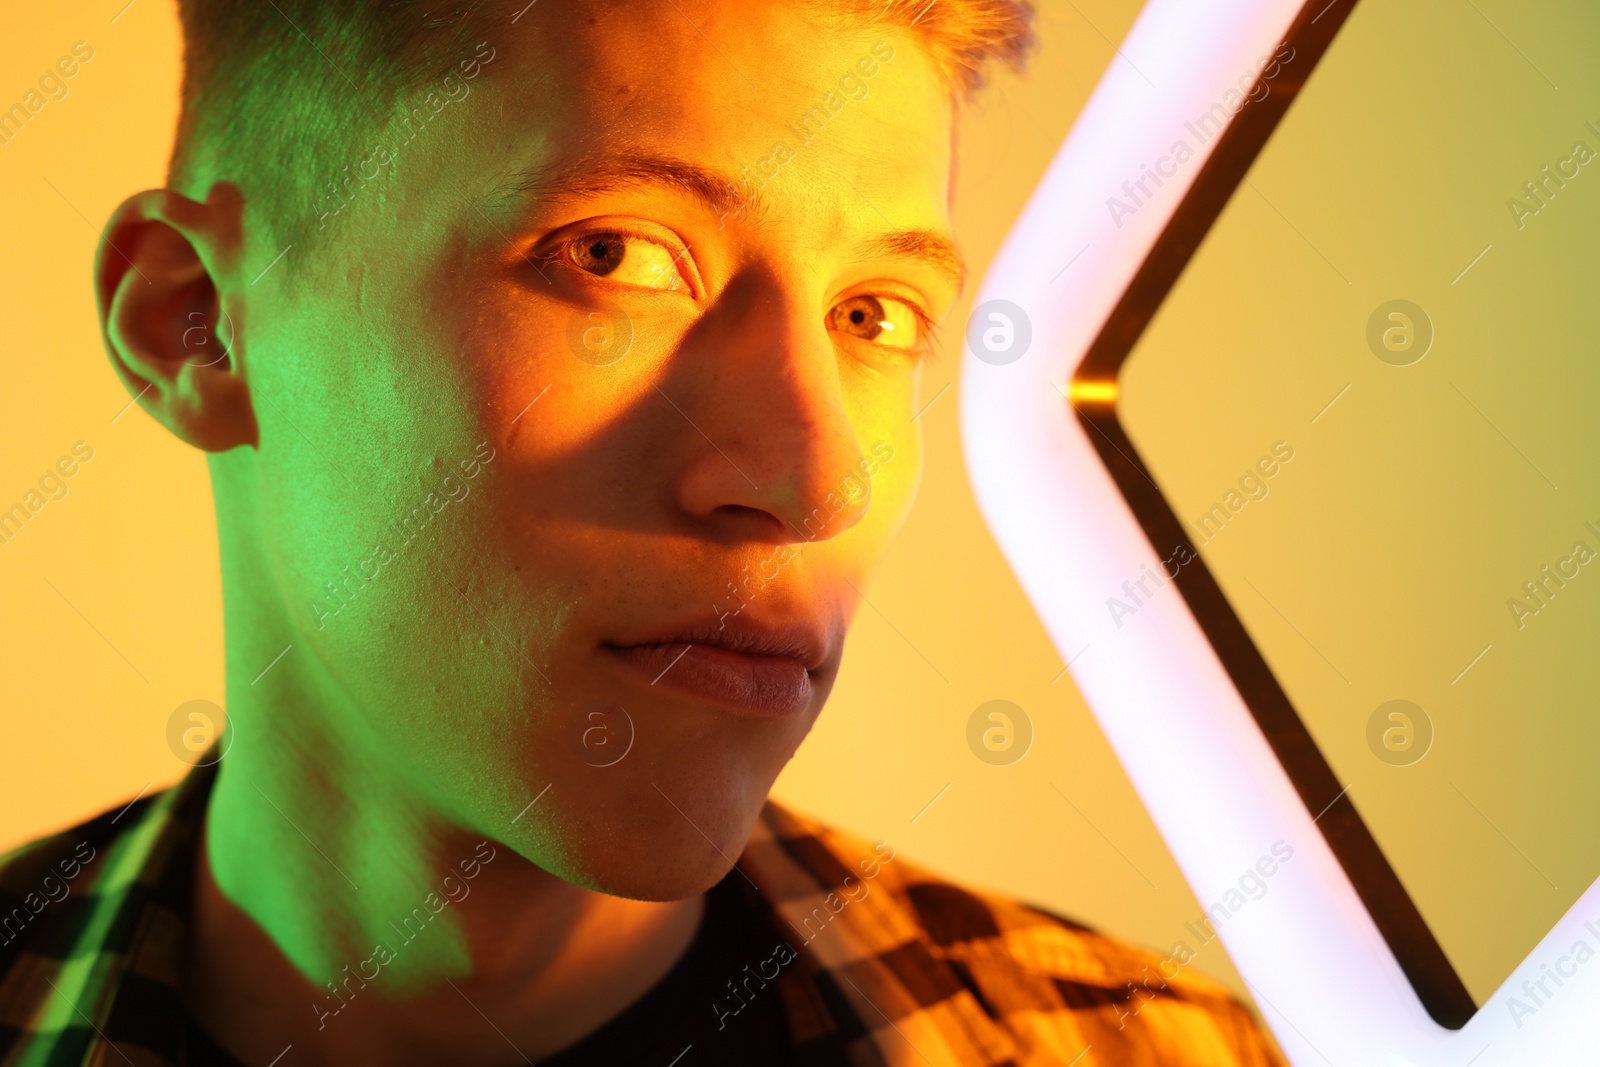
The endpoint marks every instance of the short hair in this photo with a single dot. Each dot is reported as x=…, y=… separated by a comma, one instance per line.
x=278, y=95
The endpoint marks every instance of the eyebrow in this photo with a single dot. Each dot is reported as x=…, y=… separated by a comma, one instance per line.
x=931, y=246
x=597, y=177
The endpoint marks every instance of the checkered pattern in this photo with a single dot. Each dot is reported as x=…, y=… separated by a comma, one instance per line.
x=904, y=968
x=896, y=967
x=100, y=963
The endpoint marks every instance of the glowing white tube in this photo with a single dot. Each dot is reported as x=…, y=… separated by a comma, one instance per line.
x=1323, y=976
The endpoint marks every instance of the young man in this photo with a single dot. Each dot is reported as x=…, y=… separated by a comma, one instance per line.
x=556, y=369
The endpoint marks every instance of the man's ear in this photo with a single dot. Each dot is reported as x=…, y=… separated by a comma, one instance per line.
x=165, y=286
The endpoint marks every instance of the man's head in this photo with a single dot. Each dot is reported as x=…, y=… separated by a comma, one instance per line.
x=557, y=370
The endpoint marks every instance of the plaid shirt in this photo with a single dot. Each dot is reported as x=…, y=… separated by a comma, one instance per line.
x=895, y=966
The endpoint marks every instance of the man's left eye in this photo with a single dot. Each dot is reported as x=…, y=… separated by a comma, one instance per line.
x=880, y=319
x=626, y=259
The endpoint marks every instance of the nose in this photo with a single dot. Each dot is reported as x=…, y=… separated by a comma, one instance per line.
x=776, y=458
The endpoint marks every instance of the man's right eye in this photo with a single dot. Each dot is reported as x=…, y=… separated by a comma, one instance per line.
x=627, y=259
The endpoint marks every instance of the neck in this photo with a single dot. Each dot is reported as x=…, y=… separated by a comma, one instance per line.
x=338, y=911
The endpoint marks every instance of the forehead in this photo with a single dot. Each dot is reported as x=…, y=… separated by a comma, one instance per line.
x=821, y=120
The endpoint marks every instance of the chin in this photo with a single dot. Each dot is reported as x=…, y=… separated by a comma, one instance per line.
x=679, y=878
x=660, y=864
x=661, y=836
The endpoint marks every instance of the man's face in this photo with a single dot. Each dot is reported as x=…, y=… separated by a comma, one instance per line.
x=561, y=408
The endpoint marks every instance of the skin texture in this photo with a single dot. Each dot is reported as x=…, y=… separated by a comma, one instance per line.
x=420, y=355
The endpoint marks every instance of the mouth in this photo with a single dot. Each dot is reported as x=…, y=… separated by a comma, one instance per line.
x=738, y=665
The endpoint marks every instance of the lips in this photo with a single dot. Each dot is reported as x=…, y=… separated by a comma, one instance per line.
x=738, y=665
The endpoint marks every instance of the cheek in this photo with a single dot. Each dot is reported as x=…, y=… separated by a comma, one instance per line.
x=898, y=479
x=880, y=407
x=895, y=447
x=397, y=633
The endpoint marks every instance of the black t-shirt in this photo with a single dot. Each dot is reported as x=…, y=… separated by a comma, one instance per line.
x=713, y=1008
